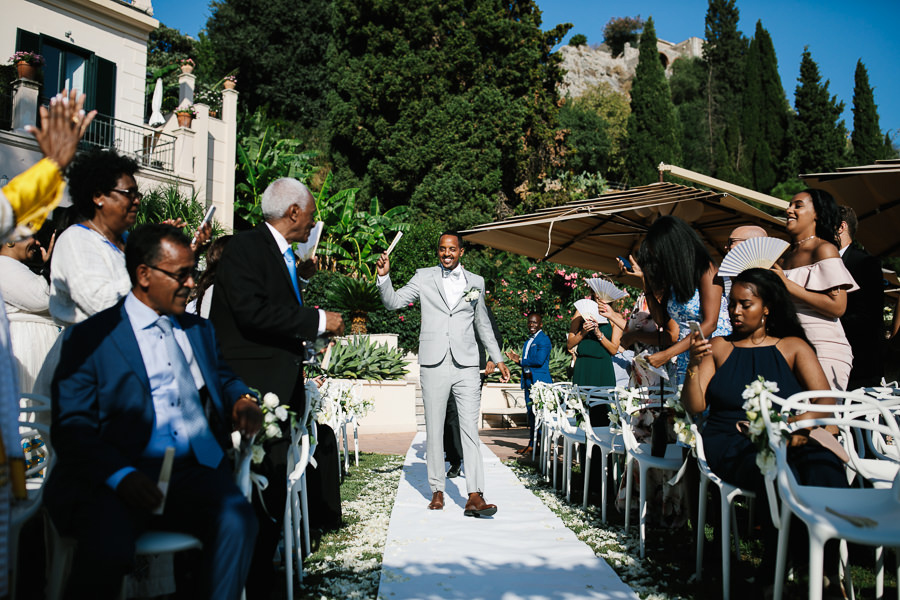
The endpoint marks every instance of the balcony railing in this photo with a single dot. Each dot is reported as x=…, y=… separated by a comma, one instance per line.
x=149, y=147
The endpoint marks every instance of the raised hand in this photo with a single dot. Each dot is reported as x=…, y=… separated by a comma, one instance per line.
x=62, y=127
x=383, y=266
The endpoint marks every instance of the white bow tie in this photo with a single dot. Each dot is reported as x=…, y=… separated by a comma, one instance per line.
x=455, y=274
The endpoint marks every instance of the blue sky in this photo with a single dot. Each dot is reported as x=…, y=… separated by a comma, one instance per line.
x=837, y=32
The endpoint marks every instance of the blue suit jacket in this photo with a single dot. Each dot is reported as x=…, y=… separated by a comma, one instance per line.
x=536, y=364
x=102, y=408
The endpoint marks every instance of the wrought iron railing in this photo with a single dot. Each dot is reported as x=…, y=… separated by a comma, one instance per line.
x=149, y=147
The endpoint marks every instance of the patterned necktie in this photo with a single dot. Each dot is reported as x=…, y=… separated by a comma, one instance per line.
x=206, y=448
x=291, y=262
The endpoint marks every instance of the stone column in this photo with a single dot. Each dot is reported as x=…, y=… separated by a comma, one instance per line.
x=225, y=205
x=186, y=83
x=184, y=153
x=201, y=153
x=25, y=103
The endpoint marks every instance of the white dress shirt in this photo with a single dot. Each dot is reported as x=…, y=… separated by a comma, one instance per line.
x=454, y=284
x=168, y=423
x=282, y=246
x=529, y=342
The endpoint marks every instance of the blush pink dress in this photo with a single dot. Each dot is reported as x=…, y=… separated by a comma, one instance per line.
x=825, y=333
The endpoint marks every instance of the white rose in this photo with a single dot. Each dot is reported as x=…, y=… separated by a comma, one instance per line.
x=236, y=439
x=765, y=460
x=273, y=431
x=757, y=427
x=269, y=417
x=257, y=454
x=282, y=413
x=271, y=401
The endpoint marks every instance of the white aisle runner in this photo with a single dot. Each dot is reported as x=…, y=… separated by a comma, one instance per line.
x=524, y=551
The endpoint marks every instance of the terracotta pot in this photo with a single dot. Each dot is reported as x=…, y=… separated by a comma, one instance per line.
x=187, y=68
x=27, y=71
x=214, y=113
x=184, y=120
x=229, y=85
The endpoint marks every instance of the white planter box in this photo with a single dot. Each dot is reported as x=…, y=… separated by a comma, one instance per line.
x=496, y=408
x=394, y=409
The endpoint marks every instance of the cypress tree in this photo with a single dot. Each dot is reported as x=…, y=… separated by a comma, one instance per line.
x=652, y=127
x=765, y=114
x=817, y=133
x=724, y=53
x=866, y=138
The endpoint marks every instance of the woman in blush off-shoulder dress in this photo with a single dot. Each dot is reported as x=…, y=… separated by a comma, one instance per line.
x=818, y=281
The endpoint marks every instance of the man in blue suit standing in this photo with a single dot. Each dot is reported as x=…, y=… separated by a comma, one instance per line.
x=535, y=363
x=134, y=380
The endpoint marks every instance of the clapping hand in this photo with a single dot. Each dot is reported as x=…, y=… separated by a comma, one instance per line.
x=511, y=355
x=62, y=127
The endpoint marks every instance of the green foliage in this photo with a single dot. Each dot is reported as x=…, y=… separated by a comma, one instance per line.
x=788, y=189
x=165, y=47
x=868, y=145
x=348, y=294
x=361, y=358
x=352, y=240
x=579, y=39
x=559, y=362
x=263, y=157
x=613, y=109
x=817, y=133
x=443, y=106
x=590, y=145
x=652, y=128
x=765, y=115
x=688, y=87
x=277, y=48
x=621, y=30
x=723, y=53
x=168, y=202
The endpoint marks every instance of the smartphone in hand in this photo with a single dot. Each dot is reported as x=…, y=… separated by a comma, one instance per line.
x=627, y=263
x=206, y=219
x=694, y=326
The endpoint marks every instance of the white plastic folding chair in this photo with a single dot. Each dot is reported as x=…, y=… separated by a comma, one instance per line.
x=558, y=422
x=569, y=413
x=640, y=453
x=296, y=506
x=608, y=438
x=865, y=516
x=728, y=493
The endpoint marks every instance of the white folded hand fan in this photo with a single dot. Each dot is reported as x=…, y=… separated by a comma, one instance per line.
x=759, y=253
x=589, y=310
x=605, y=290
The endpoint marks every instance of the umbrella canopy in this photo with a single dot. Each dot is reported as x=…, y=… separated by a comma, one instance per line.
x=873, y=191
x=592, y=233
x=156, y=118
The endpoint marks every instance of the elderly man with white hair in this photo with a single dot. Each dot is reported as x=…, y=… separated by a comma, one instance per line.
x=262, y=322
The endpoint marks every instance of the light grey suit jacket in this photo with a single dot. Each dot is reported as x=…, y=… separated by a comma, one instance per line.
x=444, y=327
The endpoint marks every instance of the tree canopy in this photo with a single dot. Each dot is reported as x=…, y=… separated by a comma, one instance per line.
x=443, y=106
x=866, y=139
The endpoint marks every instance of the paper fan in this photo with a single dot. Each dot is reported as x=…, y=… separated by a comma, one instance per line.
x=759, y=252
x=306, y=250
x=605, y=290
x=588, y=309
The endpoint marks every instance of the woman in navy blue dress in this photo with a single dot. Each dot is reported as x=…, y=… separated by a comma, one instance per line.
x=768, y=341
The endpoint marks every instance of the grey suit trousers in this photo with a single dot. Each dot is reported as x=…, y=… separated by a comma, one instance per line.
x=438, y=381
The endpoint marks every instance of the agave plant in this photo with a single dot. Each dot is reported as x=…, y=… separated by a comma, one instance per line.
x=357, y=298
x=361, y=358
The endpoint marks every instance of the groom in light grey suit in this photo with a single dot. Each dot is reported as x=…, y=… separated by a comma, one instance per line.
x=452, y=301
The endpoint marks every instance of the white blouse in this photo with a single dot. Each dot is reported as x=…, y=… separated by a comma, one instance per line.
x=87, y=275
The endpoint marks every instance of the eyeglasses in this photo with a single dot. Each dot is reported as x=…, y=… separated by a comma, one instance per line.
x=130, y=194
x=181, y=276
x=735, y=241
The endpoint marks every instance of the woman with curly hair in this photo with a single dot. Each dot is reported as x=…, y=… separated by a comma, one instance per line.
x=681, y=285
x=88, y=266
x=818, y=281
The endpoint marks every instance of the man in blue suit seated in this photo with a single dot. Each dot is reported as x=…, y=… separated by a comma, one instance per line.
x=535, y=363
x=132, y=381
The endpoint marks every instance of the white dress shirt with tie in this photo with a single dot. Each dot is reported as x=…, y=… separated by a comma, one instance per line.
x=282, y=246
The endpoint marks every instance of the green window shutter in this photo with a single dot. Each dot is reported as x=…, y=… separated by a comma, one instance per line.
x=27, y=41
x=105, y=86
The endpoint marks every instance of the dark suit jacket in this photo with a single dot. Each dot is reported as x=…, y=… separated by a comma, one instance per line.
x=863, y=320
x=102, y=408
x=536, y=365
x=257, y=319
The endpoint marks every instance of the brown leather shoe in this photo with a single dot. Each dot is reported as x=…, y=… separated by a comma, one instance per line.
x=437, y=501
x=524, y=450
x=477, y=507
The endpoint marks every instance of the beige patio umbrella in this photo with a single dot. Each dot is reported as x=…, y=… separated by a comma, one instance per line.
x=873, y=191
x=592, y=233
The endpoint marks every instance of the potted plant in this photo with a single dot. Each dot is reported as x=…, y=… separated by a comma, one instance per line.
x=357, y=297
x=27, y=64
x=187, y=65
x=230, y=82
x=185, y=115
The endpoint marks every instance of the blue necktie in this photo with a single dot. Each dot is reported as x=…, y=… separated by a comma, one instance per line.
x=292, y=270
x=206, y=448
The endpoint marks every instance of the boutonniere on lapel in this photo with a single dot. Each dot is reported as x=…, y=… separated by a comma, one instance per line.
x=472, y=295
